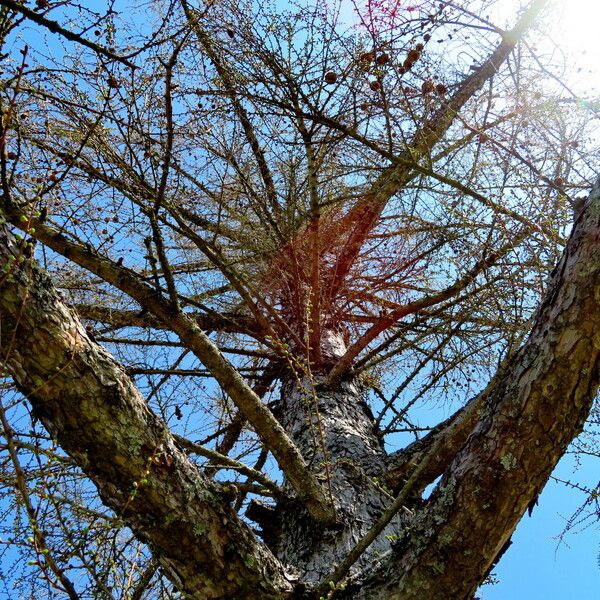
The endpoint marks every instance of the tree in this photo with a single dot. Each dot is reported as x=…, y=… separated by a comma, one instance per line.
x=325, y=228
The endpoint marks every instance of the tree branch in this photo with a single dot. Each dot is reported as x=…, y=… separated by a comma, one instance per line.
x=260, y=417
x=54, y=27
x=367, y=211
x=120, y=317
x=412, y=307
x=90, y=405
x=539, y=404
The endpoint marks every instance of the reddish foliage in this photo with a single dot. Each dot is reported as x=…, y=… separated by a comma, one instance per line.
x=381, y=16
x=375, y=280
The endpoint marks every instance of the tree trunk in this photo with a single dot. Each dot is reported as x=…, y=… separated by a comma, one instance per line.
x=529, y=417
x=90, y=405
x=498, y=454
x=334, y=430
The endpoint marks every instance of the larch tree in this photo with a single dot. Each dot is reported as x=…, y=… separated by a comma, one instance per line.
x=242, y=245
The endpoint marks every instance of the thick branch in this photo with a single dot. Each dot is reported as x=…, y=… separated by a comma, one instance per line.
x=447, y=438
x=259, y=416
x=90, y=405
x=366, y=213
x=538, y=406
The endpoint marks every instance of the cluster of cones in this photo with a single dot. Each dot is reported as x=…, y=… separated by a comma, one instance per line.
x=366, y=59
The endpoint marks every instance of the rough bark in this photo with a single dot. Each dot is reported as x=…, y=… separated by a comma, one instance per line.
x=334, y=430
x=523, y=426
x=536, y=408
x=259, y=416
x=504, y=454
x=89, y=404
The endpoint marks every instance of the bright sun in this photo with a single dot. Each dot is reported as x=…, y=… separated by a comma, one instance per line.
x=569, y=34
x=574, y=31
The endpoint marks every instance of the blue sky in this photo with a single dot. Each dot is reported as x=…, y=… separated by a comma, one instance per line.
x=536, y=566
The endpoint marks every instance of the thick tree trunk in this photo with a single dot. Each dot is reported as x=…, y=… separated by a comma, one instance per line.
x=497, y=456
x=334, y=430
x=90, y=405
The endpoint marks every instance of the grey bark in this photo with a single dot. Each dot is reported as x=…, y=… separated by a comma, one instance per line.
x=90, y=405
x=538, y=405
x=334, y=430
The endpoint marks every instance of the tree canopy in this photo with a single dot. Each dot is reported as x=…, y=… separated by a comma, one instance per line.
x=242, y=246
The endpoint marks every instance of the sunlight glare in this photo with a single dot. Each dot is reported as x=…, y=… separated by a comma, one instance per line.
x=574, y=30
